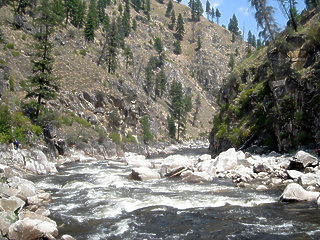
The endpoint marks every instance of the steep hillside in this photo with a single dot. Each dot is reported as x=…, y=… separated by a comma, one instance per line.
x=116, y=102
x=271, y=100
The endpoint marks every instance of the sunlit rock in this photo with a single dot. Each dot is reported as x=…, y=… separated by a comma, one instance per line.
x=308, y=179
x=294, y=174
x=295, y=192
x=32, y=226
x=143, y=173
x=226, y=160
x=135, y=160
x=198, y=177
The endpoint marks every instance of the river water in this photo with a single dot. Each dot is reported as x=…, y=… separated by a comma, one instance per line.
x=94, y=200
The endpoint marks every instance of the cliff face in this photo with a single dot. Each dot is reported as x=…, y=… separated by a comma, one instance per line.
x=272, y=99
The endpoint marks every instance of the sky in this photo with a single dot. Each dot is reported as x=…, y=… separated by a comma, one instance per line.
x=245, y=14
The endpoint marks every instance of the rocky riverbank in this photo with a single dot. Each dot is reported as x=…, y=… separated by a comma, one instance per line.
x=23, y=214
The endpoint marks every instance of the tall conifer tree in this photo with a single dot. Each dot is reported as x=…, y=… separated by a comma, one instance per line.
x=42, y=85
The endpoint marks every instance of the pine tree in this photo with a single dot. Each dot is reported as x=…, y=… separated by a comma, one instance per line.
x=100, y=9
x=169, y=8
x=231, y=62
x=42, y=85
x=136, y=5
x=148, y=9
x=58, y=9
x=171, y=126
x=145, y=127
x=265, y=19
x=173, y=20
x=126, y=19
x=149, y=75
x=310, y=4
x=290, y=11
x=128, y=56
x=196, y=9
x=208, y=9
x=180, y=28
x=89, y=27
x=112, y=51
x=77, y=16
x=134, y=25
x=218, y=15
x=212, y=14
x=177, y=47
x=158, y=45
x=199, y=9
x=233, y=25
x=199, y=43
x=160, y=83
x=180, y=106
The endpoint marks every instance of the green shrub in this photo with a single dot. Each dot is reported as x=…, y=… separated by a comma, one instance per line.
x=83, y=52
x=9, y=46
x=145, y=126
x=5, y=124
x=15, y=53
x=24, y=37
x=130, y=139
x=11, y=84
x=115, y=137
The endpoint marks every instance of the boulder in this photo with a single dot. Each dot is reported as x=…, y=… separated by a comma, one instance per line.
x=207, y=166
x=198, y=177
x=6, y=219
x=295, y=192
x=226, y=160
x=302, y=160
x=25, y=187
x=174, y=162
x=137, y=161
x=143, y=174
x=32, y=226
x=11, y=204
x=67, y=237
x=294, y=174
x=40, y=199
x=308, y=179
x=260, y=167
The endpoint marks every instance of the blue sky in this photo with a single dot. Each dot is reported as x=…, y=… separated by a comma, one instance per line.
x=244, y=13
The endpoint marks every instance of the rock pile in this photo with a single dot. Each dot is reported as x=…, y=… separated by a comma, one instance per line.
x=244, y=169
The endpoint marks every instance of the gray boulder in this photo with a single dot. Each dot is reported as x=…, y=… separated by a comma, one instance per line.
x=25, y=187
x=6, y=219
x=11, y=204
x=226, y=160
x=295, y=193
x=198, y=177
x=308, y=179
x=294, y=174
x=143, y=174
x=33, y=226
x=302, y=160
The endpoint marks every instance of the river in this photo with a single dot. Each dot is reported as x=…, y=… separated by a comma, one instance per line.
x=95, y=200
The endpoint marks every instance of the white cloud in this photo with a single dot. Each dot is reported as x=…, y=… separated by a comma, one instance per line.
x=216, y=3
x=244, y=11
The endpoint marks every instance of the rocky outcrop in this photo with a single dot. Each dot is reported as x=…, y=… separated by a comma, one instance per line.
x=280, y=111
